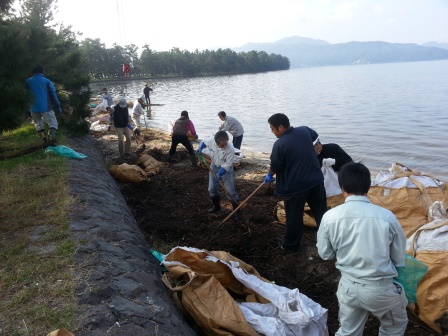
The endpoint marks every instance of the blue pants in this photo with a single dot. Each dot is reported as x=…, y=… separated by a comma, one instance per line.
x=236, y=141
x=227, y=179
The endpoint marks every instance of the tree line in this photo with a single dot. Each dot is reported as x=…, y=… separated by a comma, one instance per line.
x=101, y=62
x=29, y=38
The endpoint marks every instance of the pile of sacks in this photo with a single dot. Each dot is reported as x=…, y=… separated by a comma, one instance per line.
x=146, y=166
x=226, y=296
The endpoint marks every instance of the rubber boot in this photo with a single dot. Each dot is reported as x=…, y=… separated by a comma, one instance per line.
x=169, y=158
x=237, y=216
x=216, y=204
x=193, y=160
x=52, y=133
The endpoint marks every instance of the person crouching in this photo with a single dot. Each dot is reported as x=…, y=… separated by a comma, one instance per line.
x=181, y=128
x=222, y=154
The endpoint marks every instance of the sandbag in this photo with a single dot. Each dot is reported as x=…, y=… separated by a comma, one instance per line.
x=408, y=194
x=150, y=165
x=60, y=332
x=208, y=280
x=128, y=173
x=429, y=244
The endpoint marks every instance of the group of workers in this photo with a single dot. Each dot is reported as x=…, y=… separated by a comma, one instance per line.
x=366, y=240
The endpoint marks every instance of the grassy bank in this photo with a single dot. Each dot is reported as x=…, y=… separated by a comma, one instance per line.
x=36, y=251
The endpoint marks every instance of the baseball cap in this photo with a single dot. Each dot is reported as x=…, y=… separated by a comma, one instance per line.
x=122, y=102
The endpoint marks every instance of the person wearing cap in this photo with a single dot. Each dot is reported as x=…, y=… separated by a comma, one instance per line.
x=299, y=177
x=368, y=244
x=330, y=155
x=182, y=127
x=233, y=126
x=41, y=108
x=146, y=91
x=137, y=112
x=121, y=122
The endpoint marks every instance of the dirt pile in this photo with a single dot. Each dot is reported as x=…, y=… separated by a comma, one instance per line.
x=171, y=210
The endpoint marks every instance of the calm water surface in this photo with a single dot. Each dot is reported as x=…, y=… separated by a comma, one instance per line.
x=379, y=113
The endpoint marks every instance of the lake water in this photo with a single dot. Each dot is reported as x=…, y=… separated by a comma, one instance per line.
x=379, y=113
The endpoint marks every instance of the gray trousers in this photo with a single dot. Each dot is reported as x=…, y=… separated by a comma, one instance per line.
x=49, y=118
x=124, y=132
x=383, y=298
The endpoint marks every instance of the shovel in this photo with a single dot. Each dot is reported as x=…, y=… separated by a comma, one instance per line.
x=241, y=204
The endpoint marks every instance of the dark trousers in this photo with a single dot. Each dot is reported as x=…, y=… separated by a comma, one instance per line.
x=183, y=139
x=236, y=142
x=294, y=206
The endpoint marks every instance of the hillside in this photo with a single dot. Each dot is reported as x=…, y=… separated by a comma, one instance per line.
x=309, y=52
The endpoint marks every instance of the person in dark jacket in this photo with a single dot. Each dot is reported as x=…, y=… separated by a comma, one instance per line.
x=146, y=91
x=182, y=127
x=43, y=103
x=331, y=155
x=121, y=122
x=299, y=177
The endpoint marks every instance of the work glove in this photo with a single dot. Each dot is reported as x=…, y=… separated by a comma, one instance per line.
x=328, y=162
x=201, y=147
x=137, y=132
x=220, y=173
x=196, y=136
x=269, y=178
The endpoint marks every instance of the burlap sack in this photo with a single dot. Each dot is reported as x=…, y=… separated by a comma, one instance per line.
x=308, y=218
x=60, y=332
x=128, y=173
x=150, y=165
x=204, y=286
x=430, y=245
x=409, y=205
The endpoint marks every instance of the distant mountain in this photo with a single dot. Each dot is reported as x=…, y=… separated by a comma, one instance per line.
x=303, y=51
x=436, y=44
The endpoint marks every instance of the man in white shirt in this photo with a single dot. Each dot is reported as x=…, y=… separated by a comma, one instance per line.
x=137, y=112
x=233, y=126
x=368, y=244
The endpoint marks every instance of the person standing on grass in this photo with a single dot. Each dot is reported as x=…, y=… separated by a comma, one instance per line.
x=233, y=126
x=369, y=245
x=121, y=122
x=299, y=177
x=182, y=127
x=222, y=154
x=44, y=99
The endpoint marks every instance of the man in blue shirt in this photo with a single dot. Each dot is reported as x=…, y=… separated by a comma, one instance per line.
x=44, y=100
x=368, y=244
x=299, y=177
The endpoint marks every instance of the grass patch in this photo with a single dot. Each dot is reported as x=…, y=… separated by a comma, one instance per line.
x=36, y=250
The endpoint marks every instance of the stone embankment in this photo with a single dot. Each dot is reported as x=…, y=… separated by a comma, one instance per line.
x=119, y=285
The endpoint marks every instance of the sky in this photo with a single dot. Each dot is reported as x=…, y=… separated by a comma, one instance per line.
x=211, y=24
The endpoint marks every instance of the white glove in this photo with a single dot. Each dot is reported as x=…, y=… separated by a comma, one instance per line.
x=328, y=162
